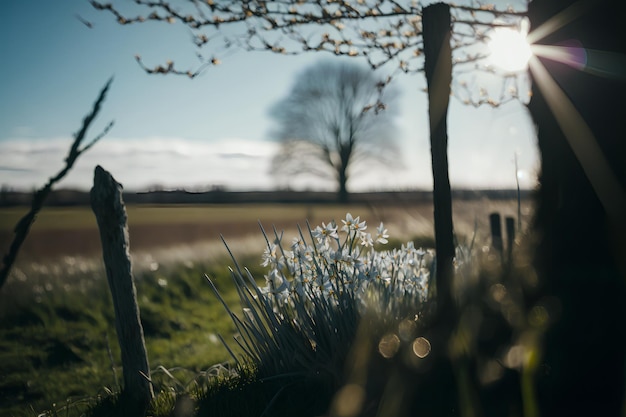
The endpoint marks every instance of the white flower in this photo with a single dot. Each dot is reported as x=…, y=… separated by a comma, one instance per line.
x=409, y=248
x=346, y=256
x=330, y=267
x=270, y=256
x=276, y=282
x=350, y=224
x=337, y=255
x=323, y=233
x=366, y=239
x=381, y=234
x=297, y=244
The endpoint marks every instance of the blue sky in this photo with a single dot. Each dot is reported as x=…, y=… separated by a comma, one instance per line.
x=214, y=130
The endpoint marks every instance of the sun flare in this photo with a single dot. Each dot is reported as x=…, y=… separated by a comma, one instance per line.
x=509, y=49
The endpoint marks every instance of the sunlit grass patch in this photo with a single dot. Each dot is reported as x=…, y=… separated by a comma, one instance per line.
x=55, y=344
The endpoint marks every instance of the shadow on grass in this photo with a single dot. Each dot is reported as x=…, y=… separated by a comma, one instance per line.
x=287, y=395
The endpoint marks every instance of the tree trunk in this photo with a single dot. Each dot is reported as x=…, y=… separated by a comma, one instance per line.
x=345, y=154
x=579, y=116
x=438, y=68
x=342, y=193
x=107, y=204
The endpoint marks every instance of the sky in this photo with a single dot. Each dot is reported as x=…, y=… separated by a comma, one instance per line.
x=214, y=130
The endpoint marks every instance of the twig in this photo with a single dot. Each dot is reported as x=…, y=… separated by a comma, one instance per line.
x=117, y=381
x=23, y=225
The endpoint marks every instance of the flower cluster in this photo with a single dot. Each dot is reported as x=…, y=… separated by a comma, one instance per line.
x=342, y=264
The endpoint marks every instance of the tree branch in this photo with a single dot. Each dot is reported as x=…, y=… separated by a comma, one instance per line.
x=23, y=225
x=382, y=31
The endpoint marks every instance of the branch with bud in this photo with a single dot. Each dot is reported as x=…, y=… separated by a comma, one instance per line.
x=381, y=32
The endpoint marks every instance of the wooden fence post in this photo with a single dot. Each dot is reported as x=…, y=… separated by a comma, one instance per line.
x=509, y=223
x=108, y=206
x=495, y=224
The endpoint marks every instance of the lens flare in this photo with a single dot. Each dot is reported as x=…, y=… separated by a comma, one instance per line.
x=389, y=345
x=349, y=401
x=421, y=347
x=510, y=50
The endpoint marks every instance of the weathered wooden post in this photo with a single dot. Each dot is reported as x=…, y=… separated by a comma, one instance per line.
x=495, y=224
x=108, y=206
x=509, y=225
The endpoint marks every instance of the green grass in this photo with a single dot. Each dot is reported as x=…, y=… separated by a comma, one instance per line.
x=54, y=346
x=55, y=341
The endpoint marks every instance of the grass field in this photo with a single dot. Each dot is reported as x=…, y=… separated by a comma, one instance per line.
x=57, y=339
x=62, y=232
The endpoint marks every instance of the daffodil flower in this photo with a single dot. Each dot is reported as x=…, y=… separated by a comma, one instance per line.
x=337, y=270
x=351, y=224
x=381, y=234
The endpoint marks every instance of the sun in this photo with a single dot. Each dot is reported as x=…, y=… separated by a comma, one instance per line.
x=509, y=49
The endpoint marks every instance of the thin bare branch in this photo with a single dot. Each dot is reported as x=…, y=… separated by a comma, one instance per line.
x=383, y=32
x=23, y=225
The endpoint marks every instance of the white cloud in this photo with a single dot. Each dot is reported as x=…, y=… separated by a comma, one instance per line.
x=141, y=163
x=175, y=163
x=233, y=163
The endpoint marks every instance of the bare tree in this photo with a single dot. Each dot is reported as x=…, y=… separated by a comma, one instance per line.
x=333, y=120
